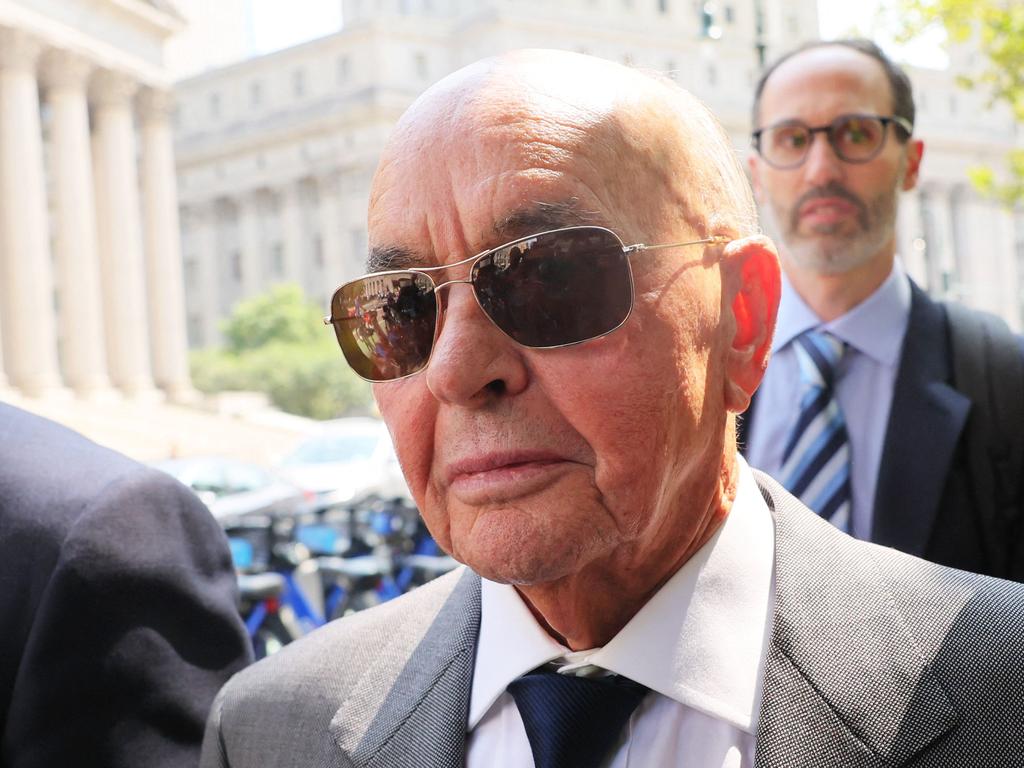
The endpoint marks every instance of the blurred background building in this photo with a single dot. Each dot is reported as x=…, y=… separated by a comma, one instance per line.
x=275, y=154
x=90, y=262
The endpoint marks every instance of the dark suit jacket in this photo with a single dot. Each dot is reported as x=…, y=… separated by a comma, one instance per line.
x=118, y=618
x=923, y=501
x=876, y=660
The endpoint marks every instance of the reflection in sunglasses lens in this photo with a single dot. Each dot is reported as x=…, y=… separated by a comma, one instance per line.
x=556, y=289
x=385, y=324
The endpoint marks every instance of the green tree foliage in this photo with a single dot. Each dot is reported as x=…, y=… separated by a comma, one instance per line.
x=996, y=27
x=278, y=344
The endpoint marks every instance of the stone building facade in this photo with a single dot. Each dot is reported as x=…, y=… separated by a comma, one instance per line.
x=91, y=294
x=275, y=154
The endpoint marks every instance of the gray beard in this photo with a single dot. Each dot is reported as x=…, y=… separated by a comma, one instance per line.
x=832, y=253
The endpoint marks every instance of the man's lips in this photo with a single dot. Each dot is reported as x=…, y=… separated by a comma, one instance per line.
x=505, y=474
x=828, y=209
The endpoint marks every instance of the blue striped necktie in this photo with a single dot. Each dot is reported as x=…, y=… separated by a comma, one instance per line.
x=816, y=459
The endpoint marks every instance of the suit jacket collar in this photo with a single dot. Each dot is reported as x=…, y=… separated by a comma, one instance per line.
x=423, y=719
x=846, y=683
x=926, y=419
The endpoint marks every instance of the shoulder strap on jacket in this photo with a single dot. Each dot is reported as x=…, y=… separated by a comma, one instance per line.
x=988, y=367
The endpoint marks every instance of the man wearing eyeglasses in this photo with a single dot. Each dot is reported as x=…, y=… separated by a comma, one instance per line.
x=566, y=309
x=896, y=418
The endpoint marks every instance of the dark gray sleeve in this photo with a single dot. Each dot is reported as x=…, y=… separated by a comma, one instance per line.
x=134, y=630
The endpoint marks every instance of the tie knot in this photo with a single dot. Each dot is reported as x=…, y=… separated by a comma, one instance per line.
x=571, y=720
x=819, y=354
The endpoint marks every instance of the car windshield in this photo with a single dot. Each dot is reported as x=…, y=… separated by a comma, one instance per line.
x=334, y=448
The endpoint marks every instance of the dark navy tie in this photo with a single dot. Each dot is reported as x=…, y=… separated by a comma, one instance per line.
x=573, y=722
x=816, y=459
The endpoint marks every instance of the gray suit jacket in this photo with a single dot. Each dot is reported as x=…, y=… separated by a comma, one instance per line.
x=876, y=658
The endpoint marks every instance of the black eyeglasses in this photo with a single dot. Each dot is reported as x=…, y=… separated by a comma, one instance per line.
x=547, y=290
x=854, y=139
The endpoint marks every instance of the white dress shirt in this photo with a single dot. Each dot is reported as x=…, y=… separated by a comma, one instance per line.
x=698, y=644
x=874, y=331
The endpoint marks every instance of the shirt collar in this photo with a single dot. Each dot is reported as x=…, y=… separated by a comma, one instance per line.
x=699, y=640
x=874, y=327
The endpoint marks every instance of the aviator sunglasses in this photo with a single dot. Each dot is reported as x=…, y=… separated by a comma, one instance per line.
x=548, y=290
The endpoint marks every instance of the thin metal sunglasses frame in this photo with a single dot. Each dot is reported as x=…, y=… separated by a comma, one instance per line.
x=471, y=262
x=829, y=130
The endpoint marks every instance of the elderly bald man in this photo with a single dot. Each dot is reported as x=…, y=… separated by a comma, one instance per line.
x=567, y=308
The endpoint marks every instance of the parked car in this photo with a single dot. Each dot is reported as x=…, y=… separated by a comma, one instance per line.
x=347, y=461
x=233, y=488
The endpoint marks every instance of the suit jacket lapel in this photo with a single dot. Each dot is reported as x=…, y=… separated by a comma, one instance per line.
x=423, y=719
x=926, y=413
x=845, y=681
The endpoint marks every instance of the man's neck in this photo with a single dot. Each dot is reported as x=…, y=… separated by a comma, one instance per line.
x=588, y=608
x=831, y=296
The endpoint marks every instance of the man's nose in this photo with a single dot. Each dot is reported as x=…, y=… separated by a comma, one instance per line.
x=473, y=362
x=822, y=164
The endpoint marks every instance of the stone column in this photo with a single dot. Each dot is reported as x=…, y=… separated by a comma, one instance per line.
x=330, y=232
x=164, y=279
x=942, y=244
x=908, y=231
x=75, y=253
x=205, y=228
x=251, y=243
x=26, y=275
x=120, y=233
x=291, y=229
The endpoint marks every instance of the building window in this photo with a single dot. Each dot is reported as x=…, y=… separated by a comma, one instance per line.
x=708, y=25
x=662, y=6
x=191, y=274
x=277, y=260
x=236, y=266
x=299, y=83
x=344, y=70
x=670, y=70
x=255, y=94
x=712, y=74
x=195, y=331
x=728, y=14
x=318, y=252
x=214, y=106
x=404, y=7
x=419, y=65
x=952, y=103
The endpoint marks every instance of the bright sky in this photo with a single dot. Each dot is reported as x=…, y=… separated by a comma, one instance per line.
x=279, y=24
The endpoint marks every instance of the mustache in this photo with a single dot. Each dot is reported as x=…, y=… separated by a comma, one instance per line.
x=832, y=189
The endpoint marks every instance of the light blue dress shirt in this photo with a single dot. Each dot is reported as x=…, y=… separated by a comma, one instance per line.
x=874, y=331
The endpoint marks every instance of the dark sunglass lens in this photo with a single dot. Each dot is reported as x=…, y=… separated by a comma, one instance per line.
x=385, y=324
x=557, y=288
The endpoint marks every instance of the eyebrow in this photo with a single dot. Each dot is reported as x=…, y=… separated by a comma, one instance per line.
x=534, y=218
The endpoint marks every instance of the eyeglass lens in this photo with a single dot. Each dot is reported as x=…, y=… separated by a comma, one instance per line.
x=550, y=290
x=854, y=138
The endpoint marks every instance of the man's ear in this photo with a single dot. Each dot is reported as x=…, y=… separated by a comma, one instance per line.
x=915, y=151
x=753, y=285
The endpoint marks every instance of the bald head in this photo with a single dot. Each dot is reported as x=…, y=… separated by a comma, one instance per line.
x=638, y=135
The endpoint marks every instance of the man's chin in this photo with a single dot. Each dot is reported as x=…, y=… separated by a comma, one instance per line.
x=837, y=256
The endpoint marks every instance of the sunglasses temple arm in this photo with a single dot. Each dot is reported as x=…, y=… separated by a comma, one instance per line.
x=716, y=239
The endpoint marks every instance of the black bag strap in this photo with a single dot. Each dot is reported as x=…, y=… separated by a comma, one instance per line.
x=988, y=367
